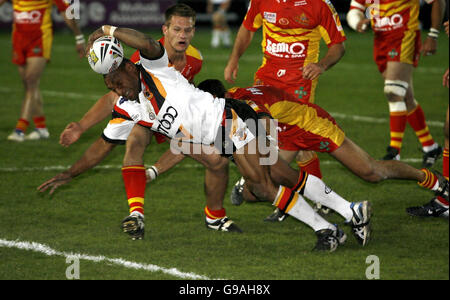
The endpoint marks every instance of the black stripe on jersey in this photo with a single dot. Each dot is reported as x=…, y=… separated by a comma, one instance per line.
x=111, y=141
x=148, y=81
x=116, y=115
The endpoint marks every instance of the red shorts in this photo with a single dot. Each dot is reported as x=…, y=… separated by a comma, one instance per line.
x=291, y=81
x=31, y=44
x=294, y=138
x=400, y=46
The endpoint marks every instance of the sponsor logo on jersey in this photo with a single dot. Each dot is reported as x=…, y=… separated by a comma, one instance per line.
x=167, y=120
x=300, y=3
x=394, y=21
x=285, y=50
x=302, y=19
x=270, y=17
x=27, y=17
x=283, y=21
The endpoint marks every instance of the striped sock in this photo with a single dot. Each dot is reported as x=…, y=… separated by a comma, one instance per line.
x=416, y=118
x=213, y=215
x=22, y=125
x=135, y=181
x=39, y=122
x=397, y=123
x=311, y=166
x=440, y=199
x=430, y=182
x=295, y=205
x=300, y=185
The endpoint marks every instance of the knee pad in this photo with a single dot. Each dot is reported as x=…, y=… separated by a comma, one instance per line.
x=395, y=87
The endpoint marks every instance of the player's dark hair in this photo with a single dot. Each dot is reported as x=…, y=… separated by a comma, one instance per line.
x=119, y=68
x=214, y=87
x=180, y=10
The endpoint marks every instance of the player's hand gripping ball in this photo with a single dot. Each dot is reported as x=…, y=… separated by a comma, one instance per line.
x=105, y=55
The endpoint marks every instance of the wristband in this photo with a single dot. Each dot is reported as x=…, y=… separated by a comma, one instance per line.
x=79, y=39
x=434, y=33
x=111, y=30
x=152, y=172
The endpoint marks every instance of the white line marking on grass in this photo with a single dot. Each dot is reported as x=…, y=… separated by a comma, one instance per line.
x=336, y=115
x=118, y=167
x=42, y=248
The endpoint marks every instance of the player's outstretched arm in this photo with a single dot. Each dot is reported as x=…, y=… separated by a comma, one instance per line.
x=91, y=157
x=97, y=113
x=166, y=162
x=130, y=37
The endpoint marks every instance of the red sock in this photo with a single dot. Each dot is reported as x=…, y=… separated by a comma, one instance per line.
x=397, y=125
x=312, y=166
x=215, y=214
x=416, y=119
x=22, y=125
x=430, y=180
x=39, y=122
x=135, y=181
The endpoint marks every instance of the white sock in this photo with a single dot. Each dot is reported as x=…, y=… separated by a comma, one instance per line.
x=215, y=40
x=317, y=191
x=305, y=213
x=226, y=37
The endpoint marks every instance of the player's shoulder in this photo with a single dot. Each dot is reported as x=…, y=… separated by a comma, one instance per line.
x=194, y=53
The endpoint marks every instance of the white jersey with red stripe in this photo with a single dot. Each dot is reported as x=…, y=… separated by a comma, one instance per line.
x=170, y=105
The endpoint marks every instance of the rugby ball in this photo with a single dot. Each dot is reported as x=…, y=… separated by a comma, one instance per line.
x=105, y=55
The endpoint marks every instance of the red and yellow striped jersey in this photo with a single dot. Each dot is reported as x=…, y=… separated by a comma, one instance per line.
x=31, y=15
x=292, y=29
x=389, y=15
x=282, y=106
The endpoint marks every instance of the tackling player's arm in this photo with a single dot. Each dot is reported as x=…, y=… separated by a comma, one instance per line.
x=97, y=113
x=166, y=162
x=91, y=157
x=333, y=55
x=130, y=37
x=437, y=15
x=243, y=40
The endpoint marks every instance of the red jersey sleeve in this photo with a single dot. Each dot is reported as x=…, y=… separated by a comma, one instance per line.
x=253, y=19
x=61, y=4
x=135, y=57
x=331, y=27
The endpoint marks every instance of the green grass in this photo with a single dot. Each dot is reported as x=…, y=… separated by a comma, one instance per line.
x=84, y=216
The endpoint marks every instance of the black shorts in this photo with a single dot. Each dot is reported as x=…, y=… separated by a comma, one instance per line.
x=247, y=114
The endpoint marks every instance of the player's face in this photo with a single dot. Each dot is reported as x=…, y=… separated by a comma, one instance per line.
x=178, y=33
x=124, y=83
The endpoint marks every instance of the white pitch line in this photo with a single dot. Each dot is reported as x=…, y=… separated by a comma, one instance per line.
x=45, y=249
x=336, y=115
x=118, y=167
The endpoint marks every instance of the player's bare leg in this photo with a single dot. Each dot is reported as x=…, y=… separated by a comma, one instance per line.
x=133, y=173
x=371, y=170
x=32, y=106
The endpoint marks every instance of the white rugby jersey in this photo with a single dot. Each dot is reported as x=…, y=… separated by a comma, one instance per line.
x=170, y=105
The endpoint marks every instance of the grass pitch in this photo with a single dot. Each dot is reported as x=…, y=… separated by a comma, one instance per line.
x=84, y=216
